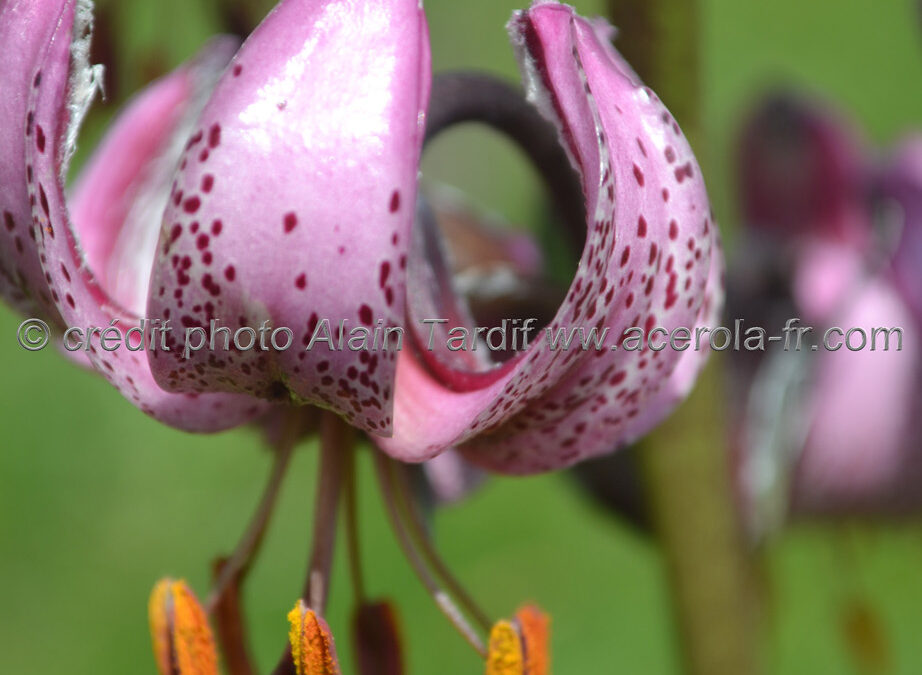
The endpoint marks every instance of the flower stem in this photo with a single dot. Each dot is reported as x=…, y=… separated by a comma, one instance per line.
x=389, y=488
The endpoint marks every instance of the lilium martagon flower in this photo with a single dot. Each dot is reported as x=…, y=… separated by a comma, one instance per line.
x=279, y=183
x=849, y=243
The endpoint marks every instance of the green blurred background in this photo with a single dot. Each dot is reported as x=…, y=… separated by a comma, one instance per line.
x=97, y=501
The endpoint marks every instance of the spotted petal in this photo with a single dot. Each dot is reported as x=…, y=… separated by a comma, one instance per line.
x=294, y=203
x=650, y=259
x=802, y=170
x=26, y=28
x=862, y=452
x=55, y=85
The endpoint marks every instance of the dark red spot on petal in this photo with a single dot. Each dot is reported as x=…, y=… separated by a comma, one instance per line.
x=192, y=204
x=214, y=135
x=641, y=227
x=291, y=222
x=638, y=174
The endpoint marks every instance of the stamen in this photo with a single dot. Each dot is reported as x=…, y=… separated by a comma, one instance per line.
x=535, y=628
x=506, y=655
x=182, y=640
x=312, y=648
x=520, y=647
x=378, y=649
x=424, y=542
x=229, y=625
x=240, y=560
x=352, y=527
x=335, y=443
x=386, y=478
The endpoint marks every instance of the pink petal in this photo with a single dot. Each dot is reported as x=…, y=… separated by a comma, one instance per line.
x=802, y=170
x=862, y=452
x=295, y=205
x=117, y=204
x=26, y=27
x=76, y=293
x=648, y=261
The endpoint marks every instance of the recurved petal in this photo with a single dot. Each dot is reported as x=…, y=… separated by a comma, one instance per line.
x=802, y=170
x=294, y=205
x=651, y=259
x=26, y=28
x=59, y=88
x=861, y=456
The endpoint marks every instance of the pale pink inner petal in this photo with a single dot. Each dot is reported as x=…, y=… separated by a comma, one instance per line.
x=117, y=203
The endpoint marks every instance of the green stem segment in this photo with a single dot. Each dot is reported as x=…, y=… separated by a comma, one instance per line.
x=685, y=460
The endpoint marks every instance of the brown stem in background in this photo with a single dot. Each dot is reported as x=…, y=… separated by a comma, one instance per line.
x=685, y=461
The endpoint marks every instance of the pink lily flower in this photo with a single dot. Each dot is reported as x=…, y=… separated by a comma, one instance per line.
x=291, y=201
x=845, y=231
x=277, y=186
